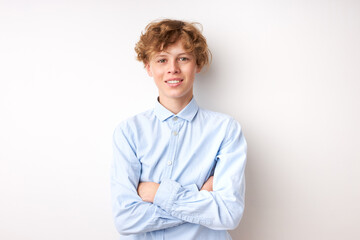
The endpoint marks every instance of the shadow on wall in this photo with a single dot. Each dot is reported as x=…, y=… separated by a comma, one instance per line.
x=205, y=87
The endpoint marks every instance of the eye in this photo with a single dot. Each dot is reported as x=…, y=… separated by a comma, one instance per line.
x=183, y=59
x=161, y=60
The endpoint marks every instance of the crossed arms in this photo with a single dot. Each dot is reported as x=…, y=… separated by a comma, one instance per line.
x=147, y=190
x=140, y=207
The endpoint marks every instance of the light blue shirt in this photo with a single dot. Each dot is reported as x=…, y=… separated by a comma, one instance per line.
x=180, y=152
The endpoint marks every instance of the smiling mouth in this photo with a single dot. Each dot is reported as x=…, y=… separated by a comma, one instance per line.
x=174, y=81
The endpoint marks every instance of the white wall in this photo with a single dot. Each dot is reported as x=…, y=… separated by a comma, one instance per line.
x=287, y=70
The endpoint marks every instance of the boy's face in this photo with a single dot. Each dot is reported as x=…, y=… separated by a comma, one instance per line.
x=173, y=70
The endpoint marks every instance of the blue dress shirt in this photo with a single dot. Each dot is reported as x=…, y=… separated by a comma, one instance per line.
x=180, y=152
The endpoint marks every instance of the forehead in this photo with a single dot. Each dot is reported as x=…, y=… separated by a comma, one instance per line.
x=173, y=49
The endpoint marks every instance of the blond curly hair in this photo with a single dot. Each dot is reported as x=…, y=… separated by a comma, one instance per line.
x=160, y=34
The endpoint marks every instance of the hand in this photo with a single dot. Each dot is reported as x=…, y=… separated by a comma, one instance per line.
x=147, y=191
x=208, y=185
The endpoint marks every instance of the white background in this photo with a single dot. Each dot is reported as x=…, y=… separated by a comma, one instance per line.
x=287, y=70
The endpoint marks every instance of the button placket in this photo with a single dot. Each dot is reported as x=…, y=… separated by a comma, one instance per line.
x=175, y=127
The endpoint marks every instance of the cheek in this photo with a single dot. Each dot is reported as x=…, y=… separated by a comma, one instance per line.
x=192, y=67
x=192, y=70
x=157, y=73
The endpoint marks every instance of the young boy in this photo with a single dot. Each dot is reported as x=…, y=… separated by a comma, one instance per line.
x=178, y=170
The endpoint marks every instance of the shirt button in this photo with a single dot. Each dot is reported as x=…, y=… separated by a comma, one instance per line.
x=175, y=118
x=169, y=163
x=175, y=133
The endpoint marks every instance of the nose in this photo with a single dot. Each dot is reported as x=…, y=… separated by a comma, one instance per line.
x=173, y=67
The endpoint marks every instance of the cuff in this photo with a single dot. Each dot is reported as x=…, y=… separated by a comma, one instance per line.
x=166, y=194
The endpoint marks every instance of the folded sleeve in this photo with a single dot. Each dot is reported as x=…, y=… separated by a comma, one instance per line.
x=222, y=208
x=131, y=214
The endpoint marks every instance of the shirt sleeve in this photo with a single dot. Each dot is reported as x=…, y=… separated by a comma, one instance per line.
x=222, y=208
x=131, y=214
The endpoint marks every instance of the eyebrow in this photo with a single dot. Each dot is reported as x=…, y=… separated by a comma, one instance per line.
x=166, y=54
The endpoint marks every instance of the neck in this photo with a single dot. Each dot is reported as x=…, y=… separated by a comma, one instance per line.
x=175, y=105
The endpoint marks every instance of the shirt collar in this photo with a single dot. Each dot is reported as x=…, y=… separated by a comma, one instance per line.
x=188, y=113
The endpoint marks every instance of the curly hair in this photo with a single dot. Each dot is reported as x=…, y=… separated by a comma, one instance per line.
x=161, y=34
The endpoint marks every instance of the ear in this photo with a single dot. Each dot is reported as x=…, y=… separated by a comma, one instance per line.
x=147, y=66
x=198, y=69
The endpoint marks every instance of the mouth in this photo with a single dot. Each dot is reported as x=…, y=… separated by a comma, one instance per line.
x=174, y=82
